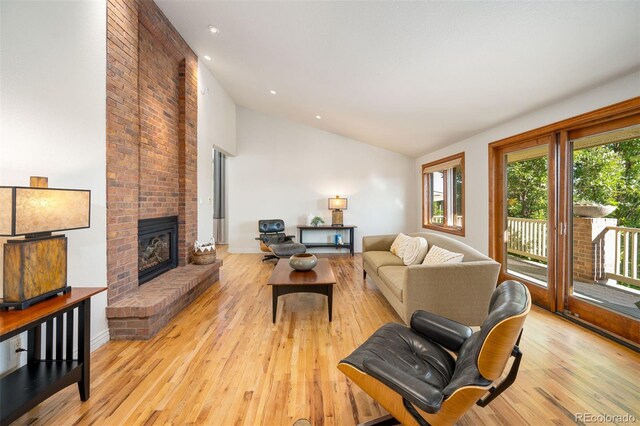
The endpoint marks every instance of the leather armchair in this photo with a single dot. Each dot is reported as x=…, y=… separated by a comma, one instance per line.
x=273, y=240
x=411, y=372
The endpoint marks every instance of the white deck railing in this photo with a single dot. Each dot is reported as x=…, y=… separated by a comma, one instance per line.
x=627, y=253
x=527, y=237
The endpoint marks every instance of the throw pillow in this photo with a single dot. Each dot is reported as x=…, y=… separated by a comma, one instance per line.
x=397, y=247
x=439, y=256
x=415, y=251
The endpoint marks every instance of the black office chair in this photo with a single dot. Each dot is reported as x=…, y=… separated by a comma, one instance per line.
x=411, y=373
x=273, y=240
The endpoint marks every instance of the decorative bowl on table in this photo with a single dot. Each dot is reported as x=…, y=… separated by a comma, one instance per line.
x=303, y=261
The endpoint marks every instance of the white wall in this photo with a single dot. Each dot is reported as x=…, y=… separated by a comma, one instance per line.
x=476, y=150
x=52, y=110
x=286, y=170
x=216, y=128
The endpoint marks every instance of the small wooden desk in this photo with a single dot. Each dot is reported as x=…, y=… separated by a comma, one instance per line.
x=350, y=244
x=43, y=376
x=285, y=280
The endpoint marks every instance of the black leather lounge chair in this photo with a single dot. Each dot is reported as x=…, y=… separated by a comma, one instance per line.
x=273, y=240
x=412, y=374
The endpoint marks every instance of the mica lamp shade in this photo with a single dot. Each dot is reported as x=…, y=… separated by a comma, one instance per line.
x=29, y=211
x=337, y=203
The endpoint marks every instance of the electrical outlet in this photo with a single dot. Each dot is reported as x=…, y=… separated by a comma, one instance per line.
x=14, y=345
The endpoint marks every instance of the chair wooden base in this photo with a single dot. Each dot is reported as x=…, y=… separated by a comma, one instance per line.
x=452, y=409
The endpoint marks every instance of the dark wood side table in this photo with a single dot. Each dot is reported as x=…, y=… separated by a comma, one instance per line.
x=349, y=244
x=44, y=375
x=285, y=280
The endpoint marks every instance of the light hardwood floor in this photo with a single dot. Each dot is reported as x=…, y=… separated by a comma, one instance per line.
x=222, y=362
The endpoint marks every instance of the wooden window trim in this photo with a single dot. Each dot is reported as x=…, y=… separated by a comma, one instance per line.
x=426, y=199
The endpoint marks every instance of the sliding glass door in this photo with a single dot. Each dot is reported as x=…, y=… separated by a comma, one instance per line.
x=603, y=278
x=565, y=216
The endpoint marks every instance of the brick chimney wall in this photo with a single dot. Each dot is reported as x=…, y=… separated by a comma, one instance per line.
x=151, y=135
x=159, y=127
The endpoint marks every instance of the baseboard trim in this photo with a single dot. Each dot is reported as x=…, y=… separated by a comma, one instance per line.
x=602, y=332
x=313, y=250
x=245, y=251
x=99, y=340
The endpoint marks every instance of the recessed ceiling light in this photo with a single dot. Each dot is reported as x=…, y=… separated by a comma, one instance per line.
x=319, y=117
x=207, y=57
x=213, y=29
x=273, y=92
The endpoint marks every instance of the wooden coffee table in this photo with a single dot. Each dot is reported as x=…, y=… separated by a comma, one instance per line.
x=286, y=280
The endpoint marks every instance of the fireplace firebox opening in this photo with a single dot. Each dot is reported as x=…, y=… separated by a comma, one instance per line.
x=157, y=247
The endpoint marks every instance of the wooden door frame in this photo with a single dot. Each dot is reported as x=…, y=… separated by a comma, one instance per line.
x=564, y=240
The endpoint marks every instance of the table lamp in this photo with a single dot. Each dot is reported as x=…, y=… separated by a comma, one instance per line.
x=337, y=205
x=35, y=268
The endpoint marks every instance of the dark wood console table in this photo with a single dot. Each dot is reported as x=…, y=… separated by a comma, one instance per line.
x=349, y=244
x=51, y=368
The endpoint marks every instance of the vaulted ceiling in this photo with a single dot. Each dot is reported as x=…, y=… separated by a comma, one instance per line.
x=409, y=76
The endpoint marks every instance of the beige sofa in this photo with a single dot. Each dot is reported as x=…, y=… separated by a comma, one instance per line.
x=460, y=292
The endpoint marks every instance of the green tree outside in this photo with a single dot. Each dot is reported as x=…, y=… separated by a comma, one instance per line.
x=605, y=174
x=527, y=185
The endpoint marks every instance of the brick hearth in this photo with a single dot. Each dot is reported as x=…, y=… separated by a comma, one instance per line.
x=151, y=151
x=144, y=314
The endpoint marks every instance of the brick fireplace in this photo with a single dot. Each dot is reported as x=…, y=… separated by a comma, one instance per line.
x=151, y=160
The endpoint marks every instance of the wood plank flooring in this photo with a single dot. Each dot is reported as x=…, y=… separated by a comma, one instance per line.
x=222, y=362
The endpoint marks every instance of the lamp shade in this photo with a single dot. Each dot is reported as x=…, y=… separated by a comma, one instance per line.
x=25, y=211
x=337, y=203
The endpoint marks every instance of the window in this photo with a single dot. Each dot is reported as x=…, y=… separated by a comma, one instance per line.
x=443, y=194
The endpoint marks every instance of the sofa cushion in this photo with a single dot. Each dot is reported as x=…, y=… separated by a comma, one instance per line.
x=376, y=259
x=448, y=243
x=415, y=251
x=399, y=244
x=394, y=277
x=438, y=256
